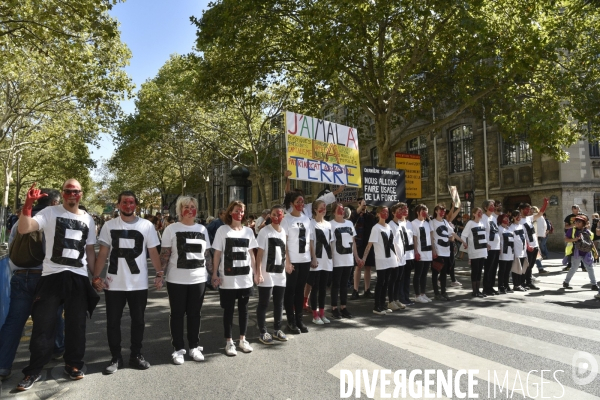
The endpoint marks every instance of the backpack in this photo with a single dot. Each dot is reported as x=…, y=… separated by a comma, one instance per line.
x=27, y=251
x=585, y=244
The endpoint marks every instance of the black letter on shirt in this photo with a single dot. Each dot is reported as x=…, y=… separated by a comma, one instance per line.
x=128, y=254
x=388, y=244
x=61, y=242
x=231, y=255
x=509, y=241
x=322, y=241
x=183, y=247
x=529, y=230
x=493, y=230
x=272, y=253
x=442, y=232
x=423, y=237
x=301, y=238
x=407, y=245
x=479, y=241
x=521, y=235
x=339, y=244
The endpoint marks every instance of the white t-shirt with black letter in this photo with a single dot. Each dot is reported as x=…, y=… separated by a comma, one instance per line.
x=382, y=238
x=407, y=237
x=343, y=235
x=422, y=230
x=127, y=242
x=474, y=234
x=66, y=235
x=298, y=237
x=272, y=265
x=320, y=234
x=235, y=270
x=491, y=229
x=442, y=232
x=188, y=243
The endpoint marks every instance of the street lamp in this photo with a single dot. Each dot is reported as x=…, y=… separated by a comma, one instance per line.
x=237, y=183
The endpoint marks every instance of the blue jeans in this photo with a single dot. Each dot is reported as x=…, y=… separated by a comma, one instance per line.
x=575, y=261
x=22, y=289
x=542, y=241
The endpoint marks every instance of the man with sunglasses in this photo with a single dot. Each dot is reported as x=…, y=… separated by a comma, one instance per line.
x=70, y=237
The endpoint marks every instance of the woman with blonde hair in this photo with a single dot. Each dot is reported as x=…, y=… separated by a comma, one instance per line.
x=182, y=256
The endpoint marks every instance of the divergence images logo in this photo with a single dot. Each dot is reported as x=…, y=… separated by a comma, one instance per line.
x=585, y=368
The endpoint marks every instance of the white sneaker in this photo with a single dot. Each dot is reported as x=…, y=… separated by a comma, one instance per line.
x=317, y=321
x=245, y=346
x=427, y=298
x=400, y=305
x=177, y=357
x=387, y=310
x=325, y=320
x=420, y=299
x=196, y=353
x=457, y=283
x=230, y=349
x=392, y=306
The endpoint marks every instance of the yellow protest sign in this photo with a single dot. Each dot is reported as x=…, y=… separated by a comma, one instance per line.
x=411, y=163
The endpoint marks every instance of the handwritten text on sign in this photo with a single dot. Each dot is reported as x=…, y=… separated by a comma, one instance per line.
x=411, y=163
x=322, y=151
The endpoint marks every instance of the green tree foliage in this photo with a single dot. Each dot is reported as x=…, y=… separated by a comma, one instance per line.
x=531, y=64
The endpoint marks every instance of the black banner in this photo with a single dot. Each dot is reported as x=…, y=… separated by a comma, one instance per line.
x=383, y=186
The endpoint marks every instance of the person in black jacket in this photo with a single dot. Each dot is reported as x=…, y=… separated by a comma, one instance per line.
x=363, y=221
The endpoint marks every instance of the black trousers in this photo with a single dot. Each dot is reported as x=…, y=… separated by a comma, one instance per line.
x=504, y=273
x=339, y=285
x=420, y=277
x=395, y=278
x=51, y=291
x=264, y=295
x=476, y=267
x=294, y=291
x=404, y=289
x=185, y=300
x=228, y=298
x=442, y=275
x=489, y=270
x=452, y=261
x=531, y=257
x=383, y=279
x=318, y=281
x=115, y=304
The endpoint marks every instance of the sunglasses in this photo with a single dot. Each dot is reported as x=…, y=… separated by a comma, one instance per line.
x=69, y=191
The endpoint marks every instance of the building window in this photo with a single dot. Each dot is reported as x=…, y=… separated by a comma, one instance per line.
x=595, y=149
x=307, y=187
x=597, y=202
x=374, y=157
x=460, y=142
x=275, y=191
x=418, y=146
x=259, y=200
x=516, y=151
x=249, y=194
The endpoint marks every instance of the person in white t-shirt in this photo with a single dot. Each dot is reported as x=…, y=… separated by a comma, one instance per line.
x=528, y=221
x=475, y=241
x=270, y=275
x=321, y=263
x=425, y=252
x=520, y=251
x=490, y=268
x=124, y=241
x=402, y=286
x=183, y=257
x=396, y=274
x=233, y=264
x=328, y=197
x=70, y=235
x=443, y=235
x=386, y=258
x=297, y=228
x=507, y=253
x=345, y=255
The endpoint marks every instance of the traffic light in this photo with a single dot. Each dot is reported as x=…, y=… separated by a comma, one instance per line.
x=470, y=196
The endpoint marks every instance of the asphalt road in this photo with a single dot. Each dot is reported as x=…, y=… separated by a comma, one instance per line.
x=514, y=336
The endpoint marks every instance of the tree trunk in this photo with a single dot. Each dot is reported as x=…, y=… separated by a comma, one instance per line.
x=382, y=129
x=261, y=189
x=7, y=176
x=208, y=193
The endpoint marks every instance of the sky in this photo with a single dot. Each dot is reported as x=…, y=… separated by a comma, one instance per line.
x=153, y=30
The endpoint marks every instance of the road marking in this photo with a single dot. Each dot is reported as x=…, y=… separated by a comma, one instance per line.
x=353, y=363
x=524, y=382
x=539, y=323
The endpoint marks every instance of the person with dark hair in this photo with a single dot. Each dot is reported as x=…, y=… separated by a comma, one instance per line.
x=476, y=243
x=23, y=283
x=490, y=220
x=442, y=234
x=581, y=248
x=425, y=252
x=297, y=228
x=519, y=249
x=270, y=275
x=402, y=295
x=507, y=253
x=234, y=262
x=326, y=196
x=364, y=221
x=528, y=221
x=64, y=280
x=321, y=263
x=216, y=224
x=125, y=240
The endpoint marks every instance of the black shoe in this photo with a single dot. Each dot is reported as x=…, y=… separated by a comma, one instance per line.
x=542, y=271
x=378, y=310
x=58, y=356
x=487, y=293
x=355, y=295
x=293, y=328
x=532, y=286
x=474, y=294
x=335, y=313
x=138, y=362
x=583, y=269
x=115, y=364
x=303, y=328
x=479, y=294
x=502, y=290
x=595, y=287
x=566, y=286
x=4, y=377
x=445, y=296
x=525, y=288
x=28, y=382
x=496, y=293
x=566, y=268
x=345, y=313
x=509, y=290
x=368, y=294
x=519, y=289
x=74, y=373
